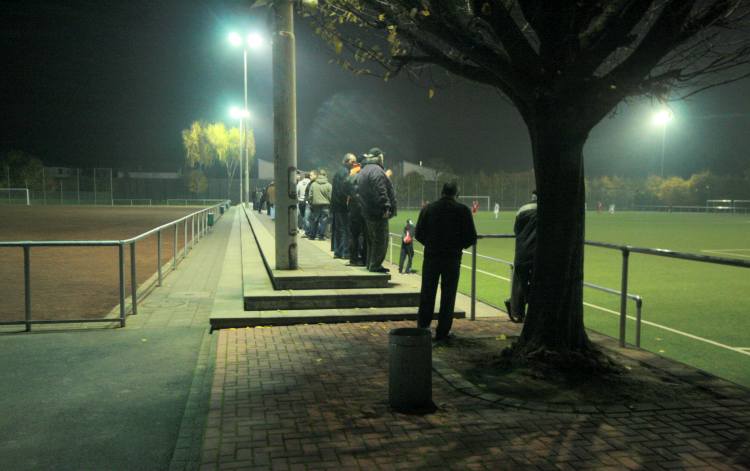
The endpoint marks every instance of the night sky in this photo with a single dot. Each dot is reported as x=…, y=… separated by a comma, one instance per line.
x=112, y=84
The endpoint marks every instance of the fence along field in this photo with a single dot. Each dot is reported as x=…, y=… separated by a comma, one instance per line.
x=77, y=282
x=693, y=312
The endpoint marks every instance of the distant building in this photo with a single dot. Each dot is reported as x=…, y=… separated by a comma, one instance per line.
x=404, y=168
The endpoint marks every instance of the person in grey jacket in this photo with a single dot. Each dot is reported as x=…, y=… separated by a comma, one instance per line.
x=320, y=203
x=378, y=201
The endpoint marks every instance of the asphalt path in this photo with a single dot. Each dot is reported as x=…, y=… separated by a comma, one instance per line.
x=95, y=399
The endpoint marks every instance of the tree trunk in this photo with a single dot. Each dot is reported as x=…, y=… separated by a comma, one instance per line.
x=554, y=322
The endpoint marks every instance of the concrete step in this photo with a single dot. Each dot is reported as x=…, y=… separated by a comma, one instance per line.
x=238, y=319
x=303, y=279
x=263, y=299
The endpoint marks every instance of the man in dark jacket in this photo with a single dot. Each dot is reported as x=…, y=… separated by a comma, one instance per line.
x=340, y=210
x=445, y=227
x=378, y=201
x=523, y=263
x=357, y=246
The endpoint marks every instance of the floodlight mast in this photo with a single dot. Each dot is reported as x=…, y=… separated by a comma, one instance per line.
x=252, y=41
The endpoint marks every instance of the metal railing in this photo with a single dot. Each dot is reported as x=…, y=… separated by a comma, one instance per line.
x=192, y=202
x=199, y=227
x=625, y=250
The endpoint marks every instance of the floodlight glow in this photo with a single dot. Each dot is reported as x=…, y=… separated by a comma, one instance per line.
x=662, y=117
x=255, y=41
x=235, y=39
x=238, y=113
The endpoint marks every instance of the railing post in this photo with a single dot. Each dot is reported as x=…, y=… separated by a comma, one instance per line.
x=185, y=240
x=133, y=282
x=27, y=285
x=474, y=281
x=390, y=248
x=192, y=232
x=158, y=255
x=624, y=294
x=121, y=254
x=174, y=246
x=638, y=306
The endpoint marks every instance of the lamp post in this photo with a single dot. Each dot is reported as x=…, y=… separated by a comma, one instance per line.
x=252, y=41
x=241, y=115
x=662, y=118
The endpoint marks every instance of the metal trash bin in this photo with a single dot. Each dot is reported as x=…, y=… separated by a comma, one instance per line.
x=410, y=370
x=210, y=219
x=221, y=209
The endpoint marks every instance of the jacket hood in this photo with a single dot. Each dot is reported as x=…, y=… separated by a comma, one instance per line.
x=322, y=179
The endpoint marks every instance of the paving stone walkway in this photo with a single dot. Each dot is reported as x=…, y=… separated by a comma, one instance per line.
x=315, y=397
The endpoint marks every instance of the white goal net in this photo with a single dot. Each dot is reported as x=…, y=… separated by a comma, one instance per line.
x=15, y=196
x=483, y=201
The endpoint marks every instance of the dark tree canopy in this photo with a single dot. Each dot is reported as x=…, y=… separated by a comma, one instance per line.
x=564, y=65
x=606, y=50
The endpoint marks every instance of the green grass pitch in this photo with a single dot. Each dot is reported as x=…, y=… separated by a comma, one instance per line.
x=693, y=312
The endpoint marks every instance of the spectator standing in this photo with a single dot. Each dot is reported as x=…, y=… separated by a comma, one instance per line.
x=407, y=247
x=271, y=197
x=378, y=202
x=301, y=203
x=445, y=227
x=308, y=211
x=523, y=263
x=340, y=209
x=320, y=203
x=262, y=198
x=357, y=246
x=497, y=210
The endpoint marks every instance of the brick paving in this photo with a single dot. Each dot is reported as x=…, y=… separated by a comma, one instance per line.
x=315, y=397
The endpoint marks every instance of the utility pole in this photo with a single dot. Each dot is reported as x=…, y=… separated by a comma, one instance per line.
x=285, y=135
x=243, y=142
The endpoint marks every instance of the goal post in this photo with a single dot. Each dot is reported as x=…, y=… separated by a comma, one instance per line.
x=484, y=201
x=15, y=196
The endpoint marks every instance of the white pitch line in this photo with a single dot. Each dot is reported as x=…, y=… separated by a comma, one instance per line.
x=745, y=351
x=675, y=331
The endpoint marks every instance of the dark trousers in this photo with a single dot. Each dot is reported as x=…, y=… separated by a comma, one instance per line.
x=519, y=291
x=301, y=206
x=341, y=234
x=447, y=270
x=407, y=253
x=318, y=222
x=377, y=242
x=357, y=246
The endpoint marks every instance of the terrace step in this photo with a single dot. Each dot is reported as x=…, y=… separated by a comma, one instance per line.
x=327, y=284
x=237, y=319
x=317, y=269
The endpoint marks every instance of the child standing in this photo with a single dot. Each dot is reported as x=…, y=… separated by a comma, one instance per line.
x=407, y=247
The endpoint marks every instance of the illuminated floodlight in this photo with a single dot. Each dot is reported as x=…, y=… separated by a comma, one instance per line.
x=235, y=39
x=661, y=118
x=238, y=113
x=255, y=41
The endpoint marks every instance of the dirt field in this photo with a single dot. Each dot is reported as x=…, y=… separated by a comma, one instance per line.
x=77, y=282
